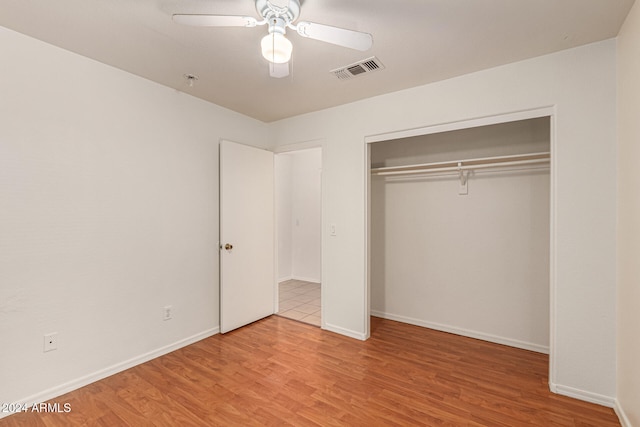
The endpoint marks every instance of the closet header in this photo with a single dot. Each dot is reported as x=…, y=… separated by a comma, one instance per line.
x=462, y=165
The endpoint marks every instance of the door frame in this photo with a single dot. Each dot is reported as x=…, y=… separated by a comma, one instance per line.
x=545, y=111
x=290, y=148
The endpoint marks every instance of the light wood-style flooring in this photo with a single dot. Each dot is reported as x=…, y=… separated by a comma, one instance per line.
x=281, y=372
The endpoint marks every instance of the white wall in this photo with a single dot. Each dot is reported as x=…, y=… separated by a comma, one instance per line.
x=474, y=264
x=306, y=214
x=108, y=212
x=629, y=219
x=284, y=183
x=580, y=85
x=299, y=214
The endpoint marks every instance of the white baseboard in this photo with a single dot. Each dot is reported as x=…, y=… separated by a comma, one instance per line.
x=342, y=331
x=587, y=396
x=114, y=369
x=622, y=416
x=284, y=279
x=464, y=332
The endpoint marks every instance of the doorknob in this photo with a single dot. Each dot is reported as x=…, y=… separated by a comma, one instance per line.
x=228, y=247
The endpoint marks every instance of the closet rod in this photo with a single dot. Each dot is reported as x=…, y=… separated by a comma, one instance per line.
x=460, y=165
x=462, y=168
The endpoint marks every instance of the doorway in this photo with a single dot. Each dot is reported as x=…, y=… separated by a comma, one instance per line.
x=298, y=193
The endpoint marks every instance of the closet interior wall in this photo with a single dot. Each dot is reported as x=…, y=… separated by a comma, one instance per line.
x=474, y=264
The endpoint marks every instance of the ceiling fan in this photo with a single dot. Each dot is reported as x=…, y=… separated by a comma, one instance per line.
x=276, y=48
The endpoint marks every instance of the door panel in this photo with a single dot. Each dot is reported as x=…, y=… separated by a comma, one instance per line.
x=247, y=274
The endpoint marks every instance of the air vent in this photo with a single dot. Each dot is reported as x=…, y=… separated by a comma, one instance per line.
x=368, y=65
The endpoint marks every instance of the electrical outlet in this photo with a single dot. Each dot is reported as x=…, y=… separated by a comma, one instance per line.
x=166, y=312
x=50, y=342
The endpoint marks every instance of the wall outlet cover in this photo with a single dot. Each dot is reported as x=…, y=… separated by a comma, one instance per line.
x=50, y=342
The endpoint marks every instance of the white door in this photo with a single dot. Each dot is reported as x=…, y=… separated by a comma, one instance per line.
x=247, y=255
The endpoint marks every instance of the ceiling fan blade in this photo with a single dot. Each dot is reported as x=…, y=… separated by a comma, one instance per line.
x=278, y=70
x=338, y=36
x=215, y=20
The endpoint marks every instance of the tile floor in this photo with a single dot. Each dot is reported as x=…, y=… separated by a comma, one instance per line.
x=300, y=301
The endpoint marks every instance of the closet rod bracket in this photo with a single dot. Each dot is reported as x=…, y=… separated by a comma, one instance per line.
x=463, y=189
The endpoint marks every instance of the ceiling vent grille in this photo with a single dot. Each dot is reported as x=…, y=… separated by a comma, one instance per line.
x=365, y=66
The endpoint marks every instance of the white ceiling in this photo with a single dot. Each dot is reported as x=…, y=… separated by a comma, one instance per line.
x=418, y=41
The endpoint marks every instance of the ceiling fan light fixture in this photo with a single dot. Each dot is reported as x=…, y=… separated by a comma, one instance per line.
x=276, y=48
x=280, y=15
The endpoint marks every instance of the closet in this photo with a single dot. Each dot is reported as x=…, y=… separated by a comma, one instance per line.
x=459, y=231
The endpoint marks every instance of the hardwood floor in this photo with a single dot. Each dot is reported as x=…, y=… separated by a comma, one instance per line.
x=282, y=372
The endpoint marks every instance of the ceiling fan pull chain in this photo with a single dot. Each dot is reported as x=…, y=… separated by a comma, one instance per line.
x=273, y=49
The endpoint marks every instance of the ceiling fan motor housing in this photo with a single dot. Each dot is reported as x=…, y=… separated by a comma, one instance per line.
x=277, y=25
x=288, y=14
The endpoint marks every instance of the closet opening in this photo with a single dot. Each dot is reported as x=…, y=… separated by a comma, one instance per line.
x=298, y=235
x=459, y=229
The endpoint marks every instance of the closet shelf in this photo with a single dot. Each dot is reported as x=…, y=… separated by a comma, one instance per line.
x=462, y=165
